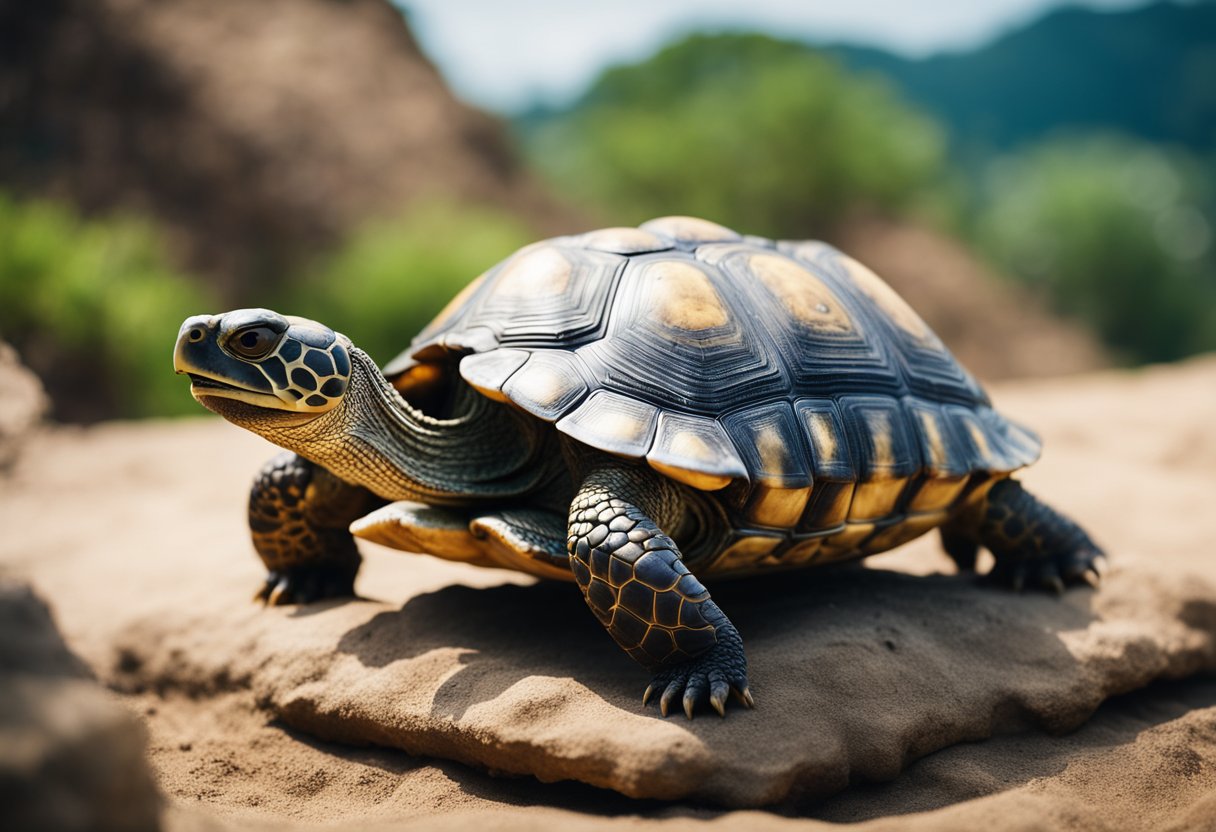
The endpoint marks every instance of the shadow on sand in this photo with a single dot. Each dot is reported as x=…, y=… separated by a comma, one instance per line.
x=877, y=668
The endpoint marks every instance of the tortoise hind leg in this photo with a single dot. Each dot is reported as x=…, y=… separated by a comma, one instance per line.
x=299, y=515
x=1032, y=542
x=633, y=579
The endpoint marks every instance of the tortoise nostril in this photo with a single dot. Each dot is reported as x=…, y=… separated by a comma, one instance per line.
x=196, y=334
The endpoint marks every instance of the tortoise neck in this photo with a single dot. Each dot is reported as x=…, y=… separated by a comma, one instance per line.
x=375, y=438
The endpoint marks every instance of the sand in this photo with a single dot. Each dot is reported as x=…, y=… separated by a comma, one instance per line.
x=134, y=535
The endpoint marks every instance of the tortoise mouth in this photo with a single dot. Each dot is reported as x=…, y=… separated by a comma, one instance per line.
x=207, y=390
x=204, y=383
x=242, y=410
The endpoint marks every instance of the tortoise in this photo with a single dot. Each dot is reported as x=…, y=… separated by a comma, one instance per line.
x=634, y=409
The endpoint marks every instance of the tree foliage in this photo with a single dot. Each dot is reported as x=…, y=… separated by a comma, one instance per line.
x=391, y=277
x=1118, y=233
x=93, y=308
x=751, y=131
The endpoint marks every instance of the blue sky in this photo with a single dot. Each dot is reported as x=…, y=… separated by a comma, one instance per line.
x=506, y=54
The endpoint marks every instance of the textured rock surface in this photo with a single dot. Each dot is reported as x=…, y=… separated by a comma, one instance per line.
x=71, y=758
x=857, y=672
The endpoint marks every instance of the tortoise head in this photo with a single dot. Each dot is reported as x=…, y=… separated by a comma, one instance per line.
x=255, y=365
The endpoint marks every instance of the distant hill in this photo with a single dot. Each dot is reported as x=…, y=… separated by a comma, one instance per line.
x=255, y=133
x=1149, y=72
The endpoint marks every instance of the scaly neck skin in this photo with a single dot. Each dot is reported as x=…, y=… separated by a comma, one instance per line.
x=376, y=439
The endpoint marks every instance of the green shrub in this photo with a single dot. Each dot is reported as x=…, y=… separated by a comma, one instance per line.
x=390, y=278
x=1117, y=233
x=93, y=308
x=751, y=131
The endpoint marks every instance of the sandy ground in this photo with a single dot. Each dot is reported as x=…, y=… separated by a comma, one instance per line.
x=121, y=523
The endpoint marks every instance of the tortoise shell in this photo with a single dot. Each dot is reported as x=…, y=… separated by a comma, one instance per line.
x=724, y=359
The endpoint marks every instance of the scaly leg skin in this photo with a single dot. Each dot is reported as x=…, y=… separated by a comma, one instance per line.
x=1032, y=542
x=632, y=577
x=298, y=519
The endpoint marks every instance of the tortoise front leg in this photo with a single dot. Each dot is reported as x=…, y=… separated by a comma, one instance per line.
x=299, y=514
x=632, y=577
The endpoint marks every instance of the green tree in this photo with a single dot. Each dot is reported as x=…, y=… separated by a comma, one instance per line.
x=1117, y=233
x=93, y=308
x=745, y=129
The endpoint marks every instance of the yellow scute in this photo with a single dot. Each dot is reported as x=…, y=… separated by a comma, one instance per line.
x=541, y=271
x=682, y=298
x=806, y=297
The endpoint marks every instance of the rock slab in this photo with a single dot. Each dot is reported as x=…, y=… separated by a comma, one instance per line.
x=857, y=672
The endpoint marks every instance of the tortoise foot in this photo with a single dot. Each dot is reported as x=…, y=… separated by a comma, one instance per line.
x=1034, y=545
x=305, y=584
x=1056, y=572
x=708, y=678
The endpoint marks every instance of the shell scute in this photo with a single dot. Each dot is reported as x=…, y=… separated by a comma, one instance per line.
x=676, y=338
x=911, y=351
x=625, y=241
x=989, y=441
x=690, y=231
x=696, y=451
x=770, y=441
x=879, y=437
x=547, y=386
x=820, y=327
x=489, y=371
x=886, y=453
x=612, y=422
x=823, y=425
x=943, y=452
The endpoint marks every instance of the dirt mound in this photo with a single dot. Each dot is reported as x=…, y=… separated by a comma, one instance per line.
x=254, y=131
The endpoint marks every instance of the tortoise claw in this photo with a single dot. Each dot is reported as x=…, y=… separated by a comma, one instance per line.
x=1056, y=572
x=1094, y=574
x=305, y=584
x=718, y=692
x=1094, y=570
x=669, y=695
x=264, y=592
x=746, y=696
x=280, y=595
x=709, y=678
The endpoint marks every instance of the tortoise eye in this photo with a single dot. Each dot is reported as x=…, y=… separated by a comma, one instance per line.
x=253, y=342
